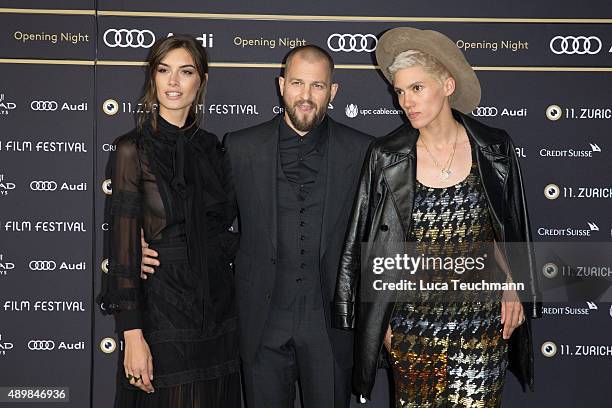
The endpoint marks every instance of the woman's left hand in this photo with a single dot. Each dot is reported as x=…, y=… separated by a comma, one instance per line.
x=512, y=315
x=387, y=339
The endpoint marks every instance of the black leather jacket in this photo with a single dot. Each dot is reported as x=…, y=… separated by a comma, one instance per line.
x=382, y=212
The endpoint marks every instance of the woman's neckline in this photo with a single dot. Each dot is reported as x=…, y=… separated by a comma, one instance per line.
x=453, y=186
x=460, y=182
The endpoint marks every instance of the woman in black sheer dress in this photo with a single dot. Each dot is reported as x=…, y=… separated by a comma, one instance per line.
x=169, y=180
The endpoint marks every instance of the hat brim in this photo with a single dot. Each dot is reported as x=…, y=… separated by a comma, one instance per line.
x=397, y=40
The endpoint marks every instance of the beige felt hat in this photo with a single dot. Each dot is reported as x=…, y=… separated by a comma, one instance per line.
x=397, y=40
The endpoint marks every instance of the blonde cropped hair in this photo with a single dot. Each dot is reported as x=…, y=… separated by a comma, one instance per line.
x=413, y=58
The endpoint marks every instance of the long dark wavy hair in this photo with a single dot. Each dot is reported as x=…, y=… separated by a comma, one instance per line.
x=149, y=102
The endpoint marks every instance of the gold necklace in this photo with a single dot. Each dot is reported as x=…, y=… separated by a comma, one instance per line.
x=445, y=171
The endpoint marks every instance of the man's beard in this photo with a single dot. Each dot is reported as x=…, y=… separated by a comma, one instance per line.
x=305, y=125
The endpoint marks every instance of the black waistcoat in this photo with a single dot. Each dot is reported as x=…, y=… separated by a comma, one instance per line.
x=301, y=178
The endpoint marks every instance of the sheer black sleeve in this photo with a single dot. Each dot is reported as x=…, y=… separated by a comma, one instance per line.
x=120, y=294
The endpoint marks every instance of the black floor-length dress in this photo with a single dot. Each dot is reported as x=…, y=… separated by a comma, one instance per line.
x=172, y=182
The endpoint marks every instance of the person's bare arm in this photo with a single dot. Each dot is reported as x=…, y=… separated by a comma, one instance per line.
x=512, y=313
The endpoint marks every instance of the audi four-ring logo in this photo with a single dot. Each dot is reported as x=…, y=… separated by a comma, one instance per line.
x=38, y=185
x=41, y=345
x=123, y=38
x=575, y=45
x=352, y=42
x=42, y=265
x=485, y=111
x=44, y=106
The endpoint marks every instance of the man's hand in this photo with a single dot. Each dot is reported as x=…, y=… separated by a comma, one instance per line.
x=512, y=315
x=149, y=258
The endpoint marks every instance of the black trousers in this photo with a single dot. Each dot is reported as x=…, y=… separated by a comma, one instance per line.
x=295, y=347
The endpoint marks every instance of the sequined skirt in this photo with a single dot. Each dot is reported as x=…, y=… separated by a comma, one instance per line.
x=448, y=355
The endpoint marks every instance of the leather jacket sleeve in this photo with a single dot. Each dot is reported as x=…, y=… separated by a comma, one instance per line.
x=350, y=260
x=518, y=230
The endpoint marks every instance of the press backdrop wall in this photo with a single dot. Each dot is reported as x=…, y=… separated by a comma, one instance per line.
x=70, y=78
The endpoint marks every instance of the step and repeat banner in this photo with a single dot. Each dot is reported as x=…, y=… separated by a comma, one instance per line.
x=71, y=74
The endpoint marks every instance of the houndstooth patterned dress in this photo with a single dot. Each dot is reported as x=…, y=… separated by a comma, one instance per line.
x=445, y=352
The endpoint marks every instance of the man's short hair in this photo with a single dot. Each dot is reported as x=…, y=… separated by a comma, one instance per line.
x=311, y=53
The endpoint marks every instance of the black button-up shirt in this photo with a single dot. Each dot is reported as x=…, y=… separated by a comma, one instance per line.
x=301, y=156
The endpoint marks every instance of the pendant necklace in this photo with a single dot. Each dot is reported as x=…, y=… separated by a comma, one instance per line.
x=445, y=171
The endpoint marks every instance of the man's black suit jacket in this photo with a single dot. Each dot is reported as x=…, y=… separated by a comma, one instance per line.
x=253, y=154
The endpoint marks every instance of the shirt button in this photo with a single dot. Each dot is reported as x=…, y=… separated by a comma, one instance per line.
x=302, y=238
x=273, y=261
x=302, y=251
x=301, y=186
x=302, y=223
x=303, y=265
x=384, y=227
x=299, y=280
x=302, y=210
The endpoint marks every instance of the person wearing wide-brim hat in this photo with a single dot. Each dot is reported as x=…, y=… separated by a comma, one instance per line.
x=451, y=185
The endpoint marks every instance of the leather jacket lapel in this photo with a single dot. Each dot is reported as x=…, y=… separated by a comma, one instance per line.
x=493, y=170
x=400, y=175
x=396, y=177
x=493, y=166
